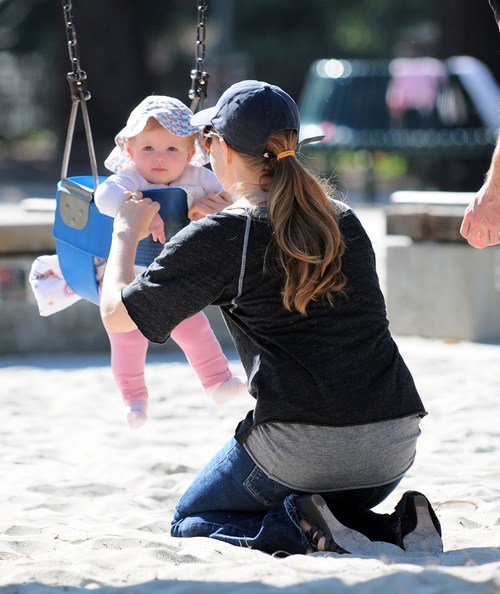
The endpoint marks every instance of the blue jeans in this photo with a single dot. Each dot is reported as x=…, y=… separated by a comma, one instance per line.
x=233, y=500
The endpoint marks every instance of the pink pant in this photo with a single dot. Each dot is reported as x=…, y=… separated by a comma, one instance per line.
x=194, y=336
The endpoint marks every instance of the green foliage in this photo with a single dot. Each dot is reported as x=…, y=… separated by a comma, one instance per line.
x=285, y=36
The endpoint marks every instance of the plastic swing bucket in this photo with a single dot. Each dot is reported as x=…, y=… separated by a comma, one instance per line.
x=82, y=233
x=173, y=211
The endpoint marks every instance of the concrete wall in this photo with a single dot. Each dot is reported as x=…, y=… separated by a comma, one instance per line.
x=77, y=328
x=432, y=289
x=444, y=290
x=25, y=233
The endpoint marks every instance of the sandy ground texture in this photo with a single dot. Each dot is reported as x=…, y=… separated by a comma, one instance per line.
x=85, y=502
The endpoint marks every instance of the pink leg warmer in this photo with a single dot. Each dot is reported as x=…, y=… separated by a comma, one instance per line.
x=202, y=349
x=128, y=361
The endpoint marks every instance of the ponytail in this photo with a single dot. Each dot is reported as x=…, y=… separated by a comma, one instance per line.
x=305, y=225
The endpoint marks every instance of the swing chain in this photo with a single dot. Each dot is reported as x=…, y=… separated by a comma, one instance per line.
x=199, y=78
x=77, y=78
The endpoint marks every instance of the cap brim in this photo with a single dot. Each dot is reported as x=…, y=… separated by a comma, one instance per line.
x=204, y=117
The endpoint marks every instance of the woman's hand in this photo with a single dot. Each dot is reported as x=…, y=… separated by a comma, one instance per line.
x=131, y=224
x=136, y=215
x=209, y=204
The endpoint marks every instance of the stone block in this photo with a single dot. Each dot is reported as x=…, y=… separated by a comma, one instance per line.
x=444, y=290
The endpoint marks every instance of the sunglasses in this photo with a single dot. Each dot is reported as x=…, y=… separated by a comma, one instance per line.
x=208, y=135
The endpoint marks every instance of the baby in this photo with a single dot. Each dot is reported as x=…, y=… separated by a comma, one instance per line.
x=159, y=148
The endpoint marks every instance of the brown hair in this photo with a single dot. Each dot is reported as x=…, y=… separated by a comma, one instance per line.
x=305, y=225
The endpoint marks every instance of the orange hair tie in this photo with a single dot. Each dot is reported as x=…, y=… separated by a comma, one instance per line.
x=284, y=154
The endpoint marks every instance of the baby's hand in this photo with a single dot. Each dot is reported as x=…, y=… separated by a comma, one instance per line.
x=157, y=229
x=209, y=204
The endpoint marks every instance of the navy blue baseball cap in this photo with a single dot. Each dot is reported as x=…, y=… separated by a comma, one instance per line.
x=248, y=113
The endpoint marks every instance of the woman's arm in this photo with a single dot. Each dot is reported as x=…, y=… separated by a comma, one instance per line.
x=130, y=226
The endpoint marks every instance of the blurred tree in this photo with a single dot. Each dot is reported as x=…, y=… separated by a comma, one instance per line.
x=111, y=37
x=285, y=37
x=130, y=49
x=126, y=48
x=469, y=30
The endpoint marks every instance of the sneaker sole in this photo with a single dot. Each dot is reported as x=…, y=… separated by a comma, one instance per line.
x=425, y=538
x=315, y=511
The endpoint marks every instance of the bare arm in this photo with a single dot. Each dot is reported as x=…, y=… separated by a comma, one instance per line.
x=130, y=226
x=481, y=223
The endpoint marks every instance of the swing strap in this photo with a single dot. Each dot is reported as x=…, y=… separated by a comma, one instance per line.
x=77, y=80
x=199, y=78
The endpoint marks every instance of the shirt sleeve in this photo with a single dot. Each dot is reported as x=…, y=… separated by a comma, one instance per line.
x=109, y=195
x=199, y=266
x=197, y=182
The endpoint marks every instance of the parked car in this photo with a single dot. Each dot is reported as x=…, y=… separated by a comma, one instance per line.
x=407, y=123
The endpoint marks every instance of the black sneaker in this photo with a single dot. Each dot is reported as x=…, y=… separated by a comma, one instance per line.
x=418, y=526
x=338, y=538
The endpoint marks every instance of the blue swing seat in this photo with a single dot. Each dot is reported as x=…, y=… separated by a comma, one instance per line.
x=82, y=233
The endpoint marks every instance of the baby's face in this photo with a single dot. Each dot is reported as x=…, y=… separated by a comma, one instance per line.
x=160, y=156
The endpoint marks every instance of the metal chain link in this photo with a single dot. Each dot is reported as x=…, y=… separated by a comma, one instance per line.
x=77, y=80
x=77, y=77
x=199, y=78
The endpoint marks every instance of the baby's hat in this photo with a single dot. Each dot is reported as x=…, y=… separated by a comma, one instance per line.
x=172, y=114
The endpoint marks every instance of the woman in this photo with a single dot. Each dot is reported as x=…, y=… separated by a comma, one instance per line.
x=337, y=414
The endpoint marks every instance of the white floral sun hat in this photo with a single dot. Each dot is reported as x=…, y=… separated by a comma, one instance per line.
x=172, y=114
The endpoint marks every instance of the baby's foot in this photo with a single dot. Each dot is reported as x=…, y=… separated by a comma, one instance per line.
x=225, y=391
x=136, y=417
